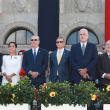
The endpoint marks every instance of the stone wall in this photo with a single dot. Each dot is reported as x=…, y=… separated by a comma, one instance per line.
x=17, y=13
x=75, y=14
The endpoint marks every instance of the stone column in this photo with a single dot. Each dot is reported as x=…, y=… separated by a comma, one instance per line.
x=107, y=20
x=0, y=6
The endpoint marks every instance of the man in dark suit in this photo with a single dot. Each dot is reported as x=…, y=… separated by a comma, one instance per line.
x=35, y=62
x=0, y=67
x=103, y=69
x=59, y=62
x=83, y=59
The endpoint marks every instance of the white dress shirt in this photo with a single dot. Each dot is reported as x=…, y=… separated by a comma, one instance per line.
x=84, y=44
x=105, y=73
x=35, y=50
x=62, y=50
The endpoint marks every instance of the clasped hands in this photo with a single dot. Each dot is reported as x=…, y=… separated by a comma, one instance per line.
x=34, y=74
x=8, y=77
x=83, y=73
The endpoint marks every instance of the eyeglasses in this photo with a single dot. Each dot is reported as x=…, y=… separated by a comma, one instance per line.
x=59, y=41
x=33, y=39
x=103, y=48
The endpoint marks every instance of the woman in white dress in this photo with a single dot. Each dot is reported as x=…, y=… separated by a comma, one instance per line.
x=11, y=65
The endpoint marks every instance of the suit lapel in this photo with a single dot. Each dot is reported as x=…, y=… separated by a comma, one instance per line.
x=63, y=56
x=55, y=57
x=79, y=49
x=38, y=54
x=31, y=54
x=107, y=58
x=86, y=49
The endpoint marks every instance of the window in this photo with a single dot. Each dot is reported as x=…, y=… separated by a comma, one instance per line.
x=20, y=36
x=74, y=38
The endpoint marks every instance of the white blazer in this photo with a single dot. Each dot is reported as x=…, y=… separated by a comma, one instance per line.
x=11, y=65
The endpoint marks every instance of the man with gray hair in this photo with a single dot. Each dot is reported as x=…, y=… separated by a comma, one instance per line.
x=83, y=59
x=103, y=68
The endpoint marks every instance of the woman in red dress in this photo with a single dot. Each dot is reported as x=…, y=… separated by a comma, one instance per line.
x=22, y=72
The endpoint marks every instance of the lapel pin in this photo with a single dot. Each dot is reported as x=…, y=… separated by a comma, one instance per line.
x=39, y=51
x=64, y=53
x=15, y=57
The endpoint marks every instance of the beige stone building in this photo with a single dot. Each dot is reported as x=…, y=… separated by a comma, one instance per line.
x=19, y=20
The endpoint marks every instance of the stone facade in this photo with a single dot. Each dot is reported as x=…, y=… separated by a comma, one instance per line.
x=73, y=14
x=17, y=13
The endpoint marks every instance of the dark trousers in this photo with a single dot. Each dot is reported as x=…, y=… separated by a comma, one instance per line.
x=57, y=79
x=91, y=107
x=36, y=84
x=1, y=79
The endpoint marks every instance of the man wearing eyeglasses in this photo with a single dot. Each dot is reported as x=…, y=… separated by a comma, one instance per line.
x=35, y=62
x=103, y=49
x=59, y=62
x=83, y=59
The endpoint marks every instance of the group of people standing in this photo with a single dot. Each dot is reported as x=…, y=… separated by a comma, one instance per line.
x=80, y=63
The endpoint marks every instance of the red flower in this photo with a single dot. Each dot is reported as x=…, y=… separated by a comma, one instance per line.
x=36, y=94
x=22, y=72
x=97, y=96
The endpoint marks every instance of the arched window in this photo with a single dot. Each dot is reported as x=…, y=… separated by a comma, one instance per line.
x=20, y=36
x=73, y=38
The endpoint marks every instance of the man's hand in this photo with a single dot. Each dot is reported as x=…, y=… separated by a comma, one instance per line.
x=107, y=76
x=85, y=76
x=82, y=71
x=34, y=75
x=0, y=73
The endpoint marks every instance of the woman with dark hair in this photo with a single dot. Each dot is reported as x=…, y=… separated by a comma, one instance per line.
x=11, y=65
x=22, y=72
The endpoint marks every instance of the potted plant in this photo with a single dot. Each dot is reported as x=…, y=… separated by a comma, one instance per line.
x=58, y=94
x=20, y=94
x=104, y=98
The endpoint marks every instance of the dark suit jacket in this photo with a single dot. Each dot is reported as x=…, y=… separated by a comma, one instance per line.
x=40, y=64
x=103, y=66
x=62, y=68
x=78, y=61
x=0, y=66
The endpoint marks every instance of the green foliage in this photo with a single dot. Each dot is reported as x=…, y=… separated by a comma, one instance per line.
x=20, y=93
x=64, y=93
x=105, y=96
x=81, y=93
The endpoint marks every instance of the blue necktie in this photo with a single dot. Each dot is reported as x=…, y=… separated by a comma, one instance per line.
x=34, y=54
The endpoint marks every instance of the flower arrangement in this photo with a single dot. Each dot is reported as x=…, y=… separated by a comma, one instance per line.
x=105, y=96
x=20, y=93
x=56, y=94
x=82, y=93
x=64, y=93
